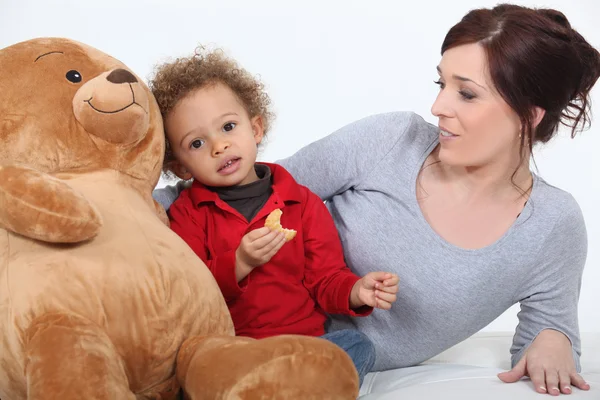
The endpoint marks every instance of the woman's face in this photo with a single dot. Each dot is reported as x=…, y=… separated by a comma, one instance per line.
x=477, y=127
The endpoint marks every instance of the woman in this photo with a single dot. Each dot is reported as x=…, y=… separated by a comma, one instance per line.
x=455, y=211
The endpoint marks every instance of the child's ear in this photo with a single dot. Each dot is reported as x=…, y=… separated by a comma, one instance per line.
x=258, y=128
x=178, y=169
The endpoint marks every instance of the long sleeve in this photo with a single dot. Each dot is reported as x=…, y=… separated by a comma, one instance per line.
x=326, y=277
x=193, y=233
x=552, y=294
x=339, y=161
x=167, y=195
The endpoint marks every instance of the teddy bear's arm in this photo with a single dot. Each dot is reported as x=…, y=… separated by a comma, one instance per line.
x=160, y=211
x=39, y=206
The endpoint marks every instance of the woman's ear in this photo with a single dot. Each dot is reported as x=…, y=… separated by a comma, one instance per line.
x=538, y=115
x=178, y=169
x=258, y=128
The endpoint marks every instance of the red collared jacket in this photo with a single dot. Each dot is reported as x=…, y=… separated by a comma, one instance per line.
x=290, y=294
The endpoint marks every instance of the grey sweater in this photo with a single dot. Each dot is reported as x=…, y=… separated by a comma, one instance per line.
x=366, y=172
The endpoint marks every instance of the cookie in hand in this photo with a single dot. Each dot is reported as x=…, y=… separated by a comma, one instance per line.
x=273, y=222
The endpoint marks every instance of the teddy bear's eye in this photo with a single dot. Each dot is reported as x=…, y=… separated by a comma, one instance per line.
x=74, y=76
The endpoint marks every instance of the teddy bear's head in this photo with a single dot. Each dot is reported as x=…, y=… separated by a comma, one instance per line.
x=67, y=107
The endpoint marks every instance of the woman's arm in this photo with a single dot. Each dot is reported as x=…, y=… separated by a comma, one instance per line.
x=341, y=160
x=546, y=346
x=167, y=195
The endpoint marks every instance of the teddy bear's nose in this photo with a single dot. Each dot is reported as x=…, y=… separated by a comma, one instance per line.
x=121, y=76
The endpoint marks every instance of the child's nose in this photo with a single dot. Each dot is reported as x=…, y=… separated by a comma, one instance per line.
x=220, y=146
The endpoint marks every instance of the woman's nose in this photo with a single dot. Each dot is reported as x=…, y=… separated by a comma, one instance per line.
x=441, y=106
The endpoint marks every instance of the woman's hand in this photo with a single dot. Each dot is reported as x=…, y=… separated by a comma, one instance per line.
x=549, y=364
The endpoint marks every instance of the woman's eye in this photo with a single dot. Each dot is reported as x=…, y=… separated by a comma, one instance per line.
x=466, y=95
x=439, y=83
x=228, y=126
x=196, y=144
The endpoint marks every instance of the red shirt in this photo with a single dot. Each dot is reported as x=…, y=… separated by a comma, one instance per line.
x=292, y=292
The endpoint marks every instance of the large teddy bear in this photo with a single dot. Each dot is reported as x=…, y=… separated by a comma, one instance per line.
x=98, y=298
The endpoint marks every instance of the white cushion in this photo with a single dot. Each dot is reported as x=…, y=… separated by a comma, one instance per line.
x=491, y=349
x=468, y=371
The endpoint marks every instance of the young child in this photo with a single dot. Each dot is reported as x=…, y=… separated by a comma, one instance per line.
x=216, y=114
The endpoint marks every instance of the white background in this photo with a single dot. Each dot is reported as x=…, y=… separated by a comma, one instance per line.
x=325, y=63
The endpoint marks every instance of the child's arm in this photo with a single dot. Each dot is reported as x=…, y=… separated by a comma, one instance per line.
x=336, y=289
x=326, y=275
x=193, y=232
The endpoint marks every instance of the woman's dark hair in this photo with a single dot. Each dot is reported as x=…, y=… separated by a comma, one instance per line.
x=535, y=58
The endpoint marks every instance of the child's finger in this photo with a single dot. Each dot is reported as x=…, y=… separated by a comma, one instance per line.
x=388, y=289
x=384, y=305
x=266, y=240
x=386, y=297
x=393, y=280
x=258, y=233
x=273, y=242
x=376, y=279
x=274, y=246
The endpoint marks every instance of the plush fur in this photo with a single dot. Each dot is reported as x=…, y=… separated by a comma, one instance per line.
x=98, y=298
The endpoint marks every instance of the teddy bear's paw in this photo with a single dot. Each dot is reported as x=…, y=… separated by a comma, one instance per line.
x=70, y=358
x=41, y=207
x=286, y=367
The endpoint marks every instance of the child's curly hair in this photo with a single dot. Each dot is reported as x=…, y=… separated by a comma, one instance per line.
x=175, y=80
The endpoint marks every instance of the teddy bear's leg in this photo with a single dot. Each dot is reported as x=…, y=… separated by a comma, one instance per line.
x=70, y=358
x=282, y=367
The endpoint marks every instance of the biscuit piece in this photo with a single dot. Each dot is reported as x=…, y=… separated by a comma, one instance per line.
x=273, y=222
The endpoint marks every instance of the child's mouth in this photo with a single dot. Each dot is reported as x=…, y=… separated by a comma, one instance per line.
x=229, y=165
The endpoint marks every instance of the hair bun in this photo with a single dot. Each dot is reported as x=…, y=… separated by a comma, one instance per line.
x=555, y=16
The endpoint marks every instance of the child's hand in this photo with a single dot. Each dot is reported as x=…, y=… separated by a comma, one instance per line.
x=375, y=289
x=257, y=248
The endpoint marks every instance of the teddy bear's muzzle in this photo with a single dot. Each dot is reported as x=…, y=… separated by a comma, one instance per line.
x=113, y=107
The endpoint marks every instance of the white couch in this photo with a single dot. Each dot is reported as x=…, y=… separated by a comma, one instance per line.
x=468, y=371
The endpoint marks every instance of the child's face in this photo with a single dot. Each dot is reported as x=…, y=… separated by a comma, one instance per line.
x=213, y=138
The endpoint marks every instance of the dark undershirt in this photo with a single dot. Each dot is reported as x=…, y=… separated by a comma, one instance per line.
x=248, y=199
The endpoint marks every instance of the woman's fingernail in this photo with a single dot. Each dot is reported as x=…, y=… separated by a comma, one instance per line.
x=542, y=388
x=567, y=388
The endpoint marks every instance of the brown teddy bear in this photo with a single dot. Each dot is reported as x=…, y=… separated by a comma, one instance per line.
x=98, y=298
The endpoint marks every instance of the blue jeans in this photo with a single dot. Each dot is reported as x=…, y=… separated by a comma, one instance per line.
x=358, y=346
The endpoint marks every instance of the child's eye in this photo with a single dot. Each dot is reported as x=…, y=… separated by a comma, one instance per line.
x=196, y=143
x=228, y=126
